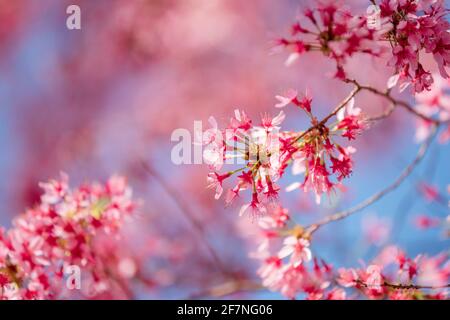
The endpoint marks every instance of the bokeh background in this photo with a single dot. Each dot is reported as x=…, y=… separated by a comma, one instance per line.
x=105, y=99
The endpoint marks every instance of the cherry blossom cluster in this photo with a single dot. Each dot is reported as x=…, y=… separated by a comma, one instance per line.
x=412, y=27
x=287, y=265
x=408, y=26
x=265, y=152
x=336, y=33
x=395, y=276
x=313, y=156
x=61, y=232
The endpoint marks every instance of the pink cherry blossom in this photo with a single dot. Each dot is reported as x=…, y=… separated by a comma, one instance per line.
x=277, y=218
x=350, y=120
x=269, y=123
x=346, y=35
x=162, y=65
x=376, y=229
x=373, y=277
x=426, y=222
x=435, y=102
x=289, y=97
x=254, y=209
x=270, y=271
x=429, y=192
x=215, y=182
x=297, y=249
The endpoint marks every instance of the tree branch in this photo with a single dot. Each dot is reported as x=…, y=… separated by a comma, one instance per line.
x=395, y=102
x=369, y=201
x=403, y=286
x=341, y=105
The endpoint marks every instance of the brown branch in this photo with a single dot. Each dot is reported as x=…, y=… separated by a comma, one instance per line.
x=387, y=95
x=352, y=94
x=395, y=102
x=341, y=105
x=369, y=201
x=387, y=113
x=408, y=170
x=403, y=286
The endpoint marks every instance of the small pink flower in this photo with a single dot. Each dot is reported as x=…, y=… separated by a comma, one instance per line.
x=305, y=102
x=441, y=53
x=336, y=294
x=4, y=280
x=254, y=209
x=289, y=97
x=347, y=277
x=426, y=222
x=54, y=190
x=240, y=121
x=429, y=192
x=433, y=271
x=215, y=181
x=317, y=179
x=376, y=229
x=214, y=154
x=271, y=191
x=343, y=164
x=271, y=271
x=351, y=120
x=297, y=249
x=277, y=219
x=373, y=278
x=270, y=123
x=117, y=185
x=212, y=134
x=422, y=79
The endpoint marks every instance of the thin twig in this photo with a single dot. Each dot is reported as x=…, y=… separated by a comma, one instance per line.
x=395, y=102
x=352, y=94
x=369, y=201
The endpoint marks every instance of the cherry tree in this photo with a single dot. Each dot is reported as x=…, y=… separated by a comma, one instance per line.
x=163, y=235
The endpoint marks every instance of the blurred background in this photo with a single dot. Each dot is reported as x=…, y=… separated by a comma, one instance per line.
x=105, y=99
